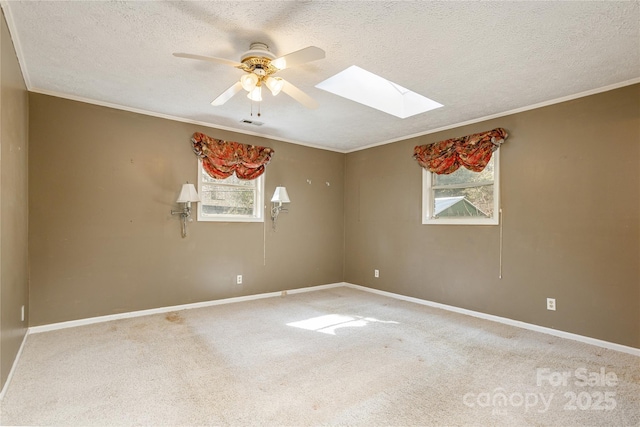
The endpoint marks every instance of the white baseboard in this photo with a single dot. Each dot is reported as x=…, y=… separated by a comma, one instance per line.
x=562, y=334
x=88, y=321
x=139, y=313
x=13, y=367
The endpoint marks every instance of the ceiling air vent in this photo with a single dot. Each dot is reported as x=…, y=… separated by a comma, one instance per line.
x=251, y=122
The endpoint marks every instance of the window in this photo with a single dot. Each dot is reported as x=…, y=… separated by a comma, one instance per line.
x=462, y=197
x=230, y=199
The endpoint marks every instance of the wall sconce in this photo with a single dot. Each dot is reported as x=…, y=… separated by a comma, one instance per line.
x=187, y=195
x=280, y=196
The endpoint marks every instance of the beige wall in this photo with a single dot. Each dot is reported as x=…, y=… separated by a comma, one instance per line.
x=102, y=240
x=14, y=274
x=571, y=199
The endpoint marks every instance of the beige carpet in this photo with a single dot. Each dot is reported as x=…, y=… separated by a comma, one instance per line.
x=331, y=357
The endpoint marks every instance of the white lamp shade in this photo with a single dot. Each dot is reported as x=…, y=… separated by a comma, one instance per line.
x=275, y=84
x=255, y=94
x=188, y=194
x=249, y=81
x=280, y=195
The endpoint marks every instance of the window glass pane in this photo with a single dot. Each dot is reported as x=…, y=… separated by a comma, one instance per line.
x=464, y=202
x=228, y=200
x=465, y=176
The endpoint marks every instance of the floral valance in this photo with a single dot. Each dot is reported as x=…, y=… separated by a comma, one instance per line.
x=222, y=158
x=471, y=151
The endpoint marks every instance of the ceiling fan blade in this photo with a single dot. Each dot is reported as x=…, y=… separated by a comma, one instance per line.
x=298, y=57
x=227, y=94
x=299, y=95
x=208, y=58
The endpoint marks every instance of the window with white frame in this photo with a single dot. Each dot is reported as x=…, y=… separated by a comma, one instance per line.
x=462, y=197
x=230, y=199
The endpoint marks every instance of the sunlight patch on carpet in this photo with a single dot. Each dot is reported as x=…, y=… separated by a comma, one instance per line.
x=329, y=323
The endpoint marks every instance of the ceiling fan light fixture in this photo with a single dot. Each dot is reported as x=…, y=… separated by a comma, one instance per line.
x=258, y=65
x=249, y=81
x=255, y=94
x=274, y=84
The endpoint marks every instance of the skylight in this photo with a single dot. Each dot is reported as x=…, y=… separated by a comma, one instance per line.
x=371, y=90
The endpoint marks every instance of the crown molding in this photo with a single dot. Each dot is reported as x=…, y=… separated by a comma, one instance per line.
x=503, y=114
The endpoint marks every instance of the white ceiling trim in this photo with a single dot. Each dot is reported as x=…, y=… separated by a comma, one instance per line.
x=21, y=61
x=16, y=42
x=505, y=113
x=178, y=119
x=377, y=144
x=76, y=56
x=4, y=4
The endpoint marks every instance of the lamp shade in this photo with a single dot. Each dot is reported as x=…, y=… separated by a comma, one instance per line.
x=188, y=194
x=275, y=84
x=249, y=81
x=255, y=94
x=280, y=195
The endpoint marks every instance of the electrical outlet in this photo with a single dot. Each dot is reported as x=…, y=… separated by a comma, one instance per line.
x=22, y=314
x=376, y=273
x=239, y=279
x=551, y=304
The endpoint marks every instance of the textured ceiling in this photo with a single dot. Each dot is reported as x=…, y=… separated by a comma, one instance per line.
x=477, y=58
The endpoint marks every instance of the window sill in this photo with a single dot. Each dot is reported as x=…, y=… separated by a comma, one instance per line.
x=461, y=221
x=221, y=218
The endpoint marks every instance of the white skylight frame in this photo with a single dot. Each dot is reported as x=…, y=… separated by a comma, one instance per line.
x=367, y=88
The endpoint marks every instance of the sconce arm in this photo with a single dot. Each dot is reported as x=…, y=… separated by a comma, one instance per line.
x=184, y=214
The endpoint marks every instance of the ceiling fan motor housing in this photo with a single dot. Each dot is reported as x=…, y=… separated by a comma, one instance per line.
x=258, y=50
x=257, y=60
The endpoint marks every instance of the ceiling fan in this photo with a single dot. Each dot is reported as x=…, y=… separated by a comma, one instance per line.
x=260, y=64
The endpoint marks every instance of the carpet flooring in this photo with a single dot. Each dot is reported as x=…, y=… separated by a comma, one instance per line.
x=338, y=356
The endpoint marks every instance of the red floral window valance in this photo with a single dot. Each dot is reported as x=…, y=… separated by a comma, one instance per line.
x=222, y=158
x=471, y=151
